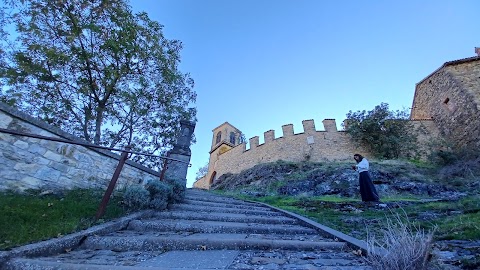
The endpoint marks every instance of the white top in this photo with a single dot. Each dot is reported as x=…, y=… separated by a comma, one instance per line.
x=362, y=166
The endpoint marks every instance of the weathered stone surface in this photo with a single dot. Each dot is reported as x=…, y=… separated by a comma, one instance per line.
x=21, y=144
x=36, y=163
x=5, y=120
x=451, y=97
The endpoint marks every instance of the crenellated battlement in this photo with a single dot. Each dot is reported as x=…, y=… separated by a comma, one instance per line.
x=329, y=125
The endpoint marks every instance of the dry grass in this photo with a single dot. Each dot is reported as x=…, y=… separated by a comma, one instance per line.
x=403, y=246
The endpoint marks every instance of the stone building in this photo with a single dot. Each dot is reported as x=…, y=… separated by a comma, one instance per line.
x=450, y=97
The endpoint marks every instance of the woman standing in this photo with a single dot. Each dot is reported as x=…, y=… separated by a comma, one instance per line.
x=367, y=189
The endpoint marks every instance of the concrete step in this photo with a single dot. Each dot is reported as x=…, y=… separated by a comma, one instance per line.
x=201, y=226
x=37, y=264
x=205, y=259
x=206, y=209
x=237, y=205
x=214, y=198
x=230, y=217
x=104, y=259
x=203, y=242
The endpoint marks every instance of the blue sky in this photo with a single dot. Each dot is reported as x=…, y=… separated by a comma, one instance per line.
x=261, y=64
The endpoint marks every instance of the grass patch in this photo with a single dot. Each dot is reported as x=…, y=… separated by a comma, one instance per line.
x=451, y=219
x=29, y=217
x=462, y=227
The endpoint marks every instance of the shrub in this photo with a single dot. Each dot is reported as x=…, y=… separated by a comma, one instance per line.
x=447, y=152
x=160, y=192
x=462, y=168
x=159, y=203
x=404, y=246
x=387, y=134
x=178, y=190
x=157, y=188
x=136, y=197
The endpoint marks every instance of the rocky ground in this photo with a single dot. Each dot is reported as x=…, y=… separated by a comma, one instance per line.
x=391, y=178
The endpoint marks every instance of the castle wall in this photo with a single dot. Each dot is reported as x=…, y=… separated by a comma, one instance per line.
x=311, y=145
x=29, y=163
x=451, y=97
x=426, y=131
x=201, y=183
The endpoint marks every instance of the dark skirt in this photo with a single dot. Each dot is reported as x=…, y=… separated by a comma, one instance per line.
x=367, y=189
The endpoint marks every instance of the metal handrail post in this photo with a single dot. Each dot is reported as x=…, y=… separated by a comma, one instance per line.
x=113, y=182
x=164, y=168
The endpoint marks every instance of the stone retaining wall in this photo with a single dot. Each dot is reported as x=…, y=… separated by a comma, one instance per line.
x=29, y=163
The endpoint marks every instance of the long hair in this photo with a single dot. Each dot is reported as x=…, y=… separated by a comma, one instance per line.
x=360, y=157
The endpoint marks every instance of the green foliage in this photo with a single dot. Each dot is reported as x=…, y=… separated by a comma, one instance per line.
x=159, y=194
x=136, y=197
x=39, y=217
x=387, y=134
x=461, y=227
x=459, y=166
x=452, y=219
x=456, y=219
x=158, y=188
x=155, y=194
x=96, y=70
x=421, y=163
x=178, y=190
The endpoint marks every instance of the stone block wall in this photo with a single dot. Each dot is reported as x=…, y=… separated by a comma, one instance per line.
x=29, y=163
x=427, y=132
x=451, y=98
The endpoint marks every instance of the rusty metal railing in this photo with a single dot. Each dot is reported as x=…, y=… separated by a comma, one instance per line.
x=118, y=169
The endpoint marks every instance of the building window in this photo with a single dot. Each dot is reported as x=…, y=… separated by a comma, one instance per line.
x=219, y=137
x=449, y=104
x=232, y=138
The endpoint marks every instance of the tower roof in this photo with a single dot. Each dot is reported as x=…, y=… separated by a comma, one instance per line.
x=226, y=123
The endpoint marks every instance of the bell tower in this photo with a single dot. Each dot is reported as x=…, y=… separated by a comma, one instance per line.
x=225, y=137
x=226, y=134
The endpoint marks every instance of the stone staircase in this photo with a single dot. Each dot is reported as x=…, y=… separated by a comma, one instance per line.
x=206, y=231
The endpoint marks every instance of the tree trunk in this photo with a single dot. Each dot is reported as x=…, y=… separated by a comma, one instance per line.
x=98, y=123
